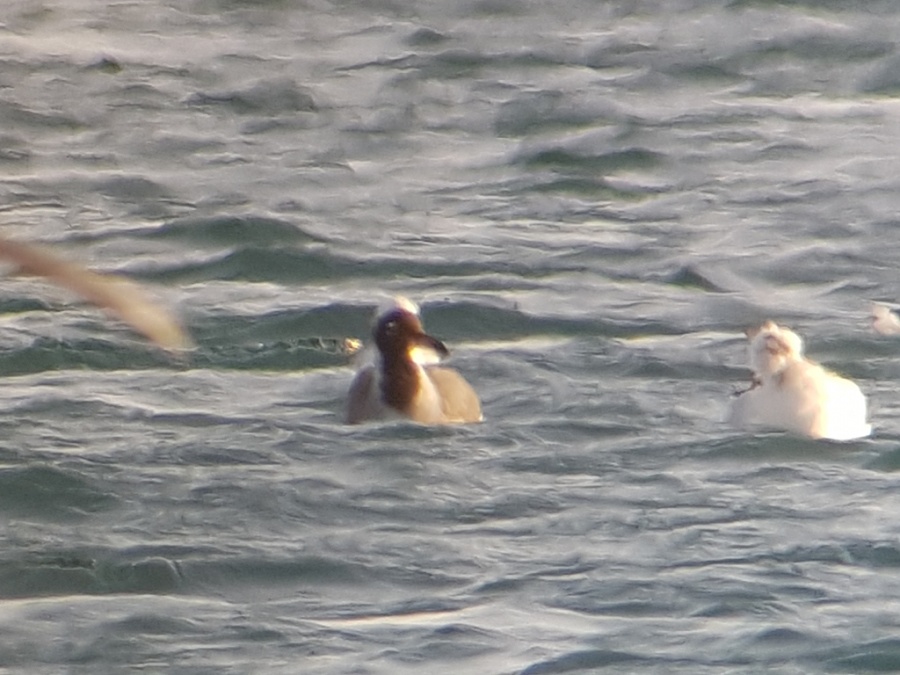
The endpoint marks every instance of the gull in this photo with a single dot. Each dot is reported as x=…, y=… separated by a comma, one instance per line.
x=406, y=382
x=884, y=321
x=791, y=393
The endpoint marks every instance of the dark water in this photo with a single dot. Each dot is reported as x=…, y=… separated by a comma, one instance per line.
x=590, y=200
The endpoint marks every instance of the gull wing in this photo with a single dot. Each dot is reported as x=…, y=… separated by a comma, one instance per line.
x=120, y=296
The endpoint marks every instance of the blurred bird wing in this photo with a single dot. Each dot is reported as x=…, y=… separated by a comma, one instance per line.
x=120, y=296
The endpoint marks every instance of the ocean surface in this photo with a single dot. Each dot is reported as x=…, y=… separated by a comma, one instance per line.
x=591, y=200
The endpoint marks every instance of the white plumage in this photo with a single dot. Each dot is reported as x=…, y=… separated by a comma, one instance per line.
x=884, y=321
x=791, y=393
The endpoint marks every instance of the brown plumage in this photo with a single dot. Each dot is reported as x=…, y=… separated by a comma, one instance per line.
x=405, y=382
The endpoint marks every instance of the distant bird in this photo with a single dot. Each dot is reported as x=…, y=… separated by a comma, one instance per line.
x=791, y=393
x=884, y=321
x=405, y=382
x=122, y=297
